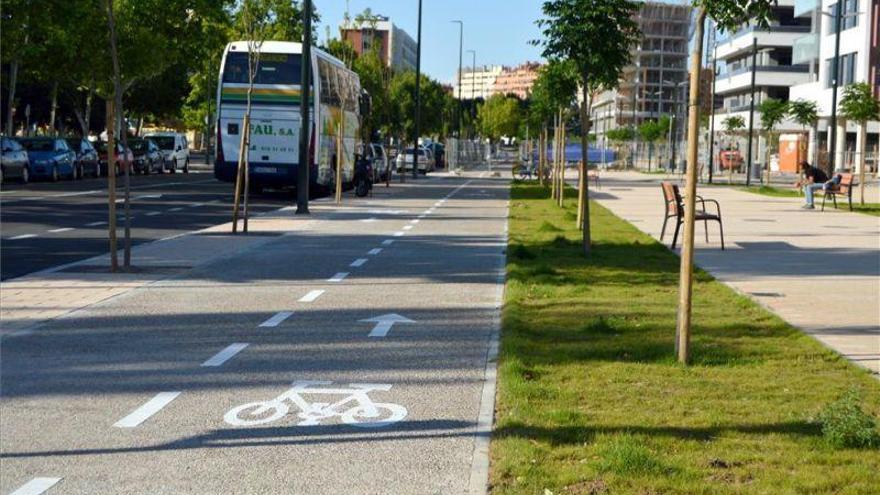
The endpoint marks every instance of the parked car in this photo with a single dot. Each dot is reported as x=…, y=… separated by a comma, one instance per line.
x=432, y=162
x=86, y=160
x=49, y=157
x=127, y=157
x=378, y=159
x=404, y=160
x=174, y=149
x=439, y=152
x=147, y=157
x=13, y=161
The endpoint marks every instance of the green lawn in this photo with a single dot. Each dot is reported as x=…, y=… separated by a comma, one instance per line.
x=867, y=208
x=591, y=400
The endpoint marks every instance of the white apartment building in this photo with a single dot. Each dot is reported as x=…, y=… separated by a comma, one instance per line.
x=775, y=72
x=857, y=63
x=477, y=83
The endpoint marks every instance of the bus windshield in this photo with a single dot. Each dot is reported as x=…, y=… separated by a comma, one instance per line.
x=274, y=68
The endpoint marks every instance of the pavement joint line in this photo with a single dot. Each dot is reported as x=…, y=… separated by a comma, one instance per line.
x=96, y=224
x=151, y=407
x=276, y=320
x=225, y=355
x=63, y=229
x=23, y=236
x=36, y=486
x=339, y=277
x=374, y=251
x=358, y=262
x=388, y=242
x=407, y=227
x=312, y=296
x=153, y=213
x=399, y=234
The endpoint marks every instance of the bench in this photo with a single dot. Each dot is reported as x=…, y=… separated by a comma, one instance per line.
x=844, y=188
x=673, y=207
x=594, y=176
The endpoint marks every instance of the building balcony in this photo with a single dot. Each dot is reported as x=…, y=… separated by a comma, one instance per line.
x=805, y=8
x=805, y=49
x=767, y=75
x=741, y=42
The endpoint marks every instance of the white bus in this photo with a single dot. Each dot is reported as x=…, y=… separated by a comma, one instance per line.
x=275, y=115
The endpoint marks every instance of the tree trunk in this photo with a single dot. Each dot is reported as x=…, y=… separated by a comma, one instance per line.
x=683, y=328
x=117, y=83
x=53, y=106
x=10, y=100
x=560, y=146
x=863, y=137
x=111, y=185
x=584, y=198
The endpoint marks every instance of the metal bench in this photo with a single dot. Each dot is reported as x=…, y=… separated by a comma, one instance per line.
x=674, y=208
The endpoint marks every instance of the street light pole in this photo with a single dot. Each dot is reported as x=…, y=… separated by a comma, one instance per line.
x=458, y=103
x=473, y=88
x=418, y=98
x=752, y=112
x=302, y=171
x=835, y=76
x=712, y=102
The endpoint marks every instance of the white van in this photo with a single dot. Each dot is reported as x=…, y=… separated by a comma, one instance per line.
x=174, y=150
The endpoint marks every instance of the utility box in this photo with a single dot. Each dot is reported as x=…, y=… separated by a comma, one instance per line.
x=792, y=151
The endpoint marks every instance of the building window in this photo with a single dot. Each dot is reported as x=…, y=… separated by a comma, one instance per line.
x=849, y=17
x=846, y=73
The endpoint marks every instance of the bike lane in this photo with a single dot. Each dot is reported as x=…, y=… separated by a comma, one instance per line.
x=140, y=395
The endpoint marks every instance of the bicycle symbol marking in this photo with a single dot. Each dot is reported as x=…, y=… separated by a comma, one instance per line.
x=355, y=409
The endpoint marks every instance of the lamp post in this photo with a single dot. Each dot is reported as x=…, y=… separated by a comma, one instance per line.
x=418, y=96
x=835, y=80
x=752, y=112
x=673, y=127
x=712, y=102
x=302, y=171
x=458, y=103
x=632, y=155
x=473, y=88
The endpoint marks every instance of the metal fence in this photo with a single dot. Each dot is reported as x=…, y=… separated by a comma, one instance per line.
x=463, y=154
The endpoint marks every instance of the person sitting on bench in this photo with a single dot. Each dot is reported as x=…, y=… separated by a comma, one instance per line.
x=814, y=180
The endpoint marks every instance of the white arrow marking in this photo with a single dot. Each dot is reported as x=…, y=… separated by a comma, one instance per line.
x=384, y=323
x=36, y=486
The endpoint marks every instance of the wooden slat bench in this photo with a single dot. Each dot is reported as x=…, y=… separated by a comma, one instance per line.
x=844, y=188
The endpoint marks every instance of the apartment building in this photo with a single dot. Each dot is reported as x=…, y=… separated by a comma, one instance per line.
x=654, y=83
x=397, y=47
x=478, y=82
x=517, y=81
x=858, y=62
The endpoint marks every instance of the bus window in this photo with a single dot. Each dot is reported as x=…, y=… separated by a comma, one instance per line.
x=273, y=68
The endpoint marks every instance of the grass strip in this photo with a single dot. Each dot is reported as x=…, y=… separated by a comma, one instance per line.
x=590, y=399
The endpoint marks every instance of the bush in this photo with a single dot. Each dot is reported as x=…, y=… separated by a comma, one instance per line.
x=846, y=425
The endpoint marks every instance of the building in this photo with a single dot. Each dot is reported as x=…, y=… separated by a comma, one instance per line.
x=654, y=83
x=397, y=47
x=859, y=62
x=479, y=82
x=517, y=81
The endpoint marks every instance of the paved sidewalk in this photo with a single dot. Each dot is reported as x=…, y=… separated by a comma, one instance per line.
x=820, y=271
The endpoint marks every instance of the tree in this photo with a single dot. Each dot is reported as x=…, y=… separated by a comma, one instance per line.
x=558, y=81
x=733, y=126
x=499, y=116
x=773, y=112
x=401, y=92
x=595, y=36
x=728, y=15
x=859, y=105
x=651, y=132
x=806, y=113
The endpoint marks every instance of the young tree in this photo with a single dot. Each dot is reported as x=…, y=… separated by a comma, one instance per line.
x=859, y=105
x=595, y=36
x=806, y=113
x=733, y=126
x=773, y=112
x=499, y=117
x=651, y=132
x=728, y=15
x=561, y=79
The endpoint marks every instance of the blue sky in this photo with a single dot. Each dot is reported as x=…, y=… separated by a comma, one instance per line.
x=499, y=30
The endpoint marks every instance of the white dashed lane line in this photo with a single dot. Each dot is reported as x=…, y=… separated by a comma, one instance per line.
x=374, y=251
x=36, y=486
x=415, y=221
x=388, y=242
x=96, y=224
x=23, y=236
x=153, y=213
x=143, y=413
x=277, y=319
x=399, y=234
x=63, y=229
x=224, y=355
x=311, y=296
x=339, y=277
x=175, y=209
x=368, y=220
x=358, y=262
x=407, y=227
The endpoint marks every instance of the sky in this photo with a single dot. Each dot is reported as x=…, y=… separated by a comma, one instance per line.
x=498, y=30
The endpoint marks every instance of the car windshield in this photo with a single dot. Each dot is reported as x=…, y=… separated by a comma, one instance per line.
x=73, y=143
x=38, y=144
x=137, y=145
x=274, y=68
x=163, y=142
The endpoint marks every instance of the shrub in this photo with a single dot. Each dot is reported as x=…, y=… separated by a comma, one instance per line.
x=846, y=425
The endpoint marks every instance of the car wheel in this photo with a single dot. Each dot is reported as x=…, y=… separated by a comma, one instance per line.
x=54, y=176
x=186, y=166
x=25, y=175
x=173, y=167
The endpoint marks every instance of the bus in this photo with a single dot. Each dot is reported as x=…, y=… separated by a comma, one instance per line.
x=275, y=116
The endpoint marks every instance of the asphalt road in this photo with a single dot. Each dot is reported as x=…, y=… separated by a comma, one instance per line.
x=150, y=392
x=44, y=224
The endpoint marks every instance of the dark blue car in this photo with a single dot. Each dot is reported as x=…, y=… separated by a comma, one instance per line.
x=49, y=158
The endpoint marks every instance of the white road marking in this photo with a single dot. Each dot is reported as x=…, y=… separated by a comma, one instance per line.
x=153, y=213
x=368, y=220
x=23, y=236
x=388, y=242
x=36, y=486
x=149, y=196
x=311, y=296
x=415, y=220
x=224, y=355
x=96, y=224
x=197, y=205
x=64, y=229
x=142, y=413
x=384, y=323
x=358, y=262
x=175, y=209
x=407, y=227
x=339, y=277
x=374, y=251
x=399, y=234
x=277, y=319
